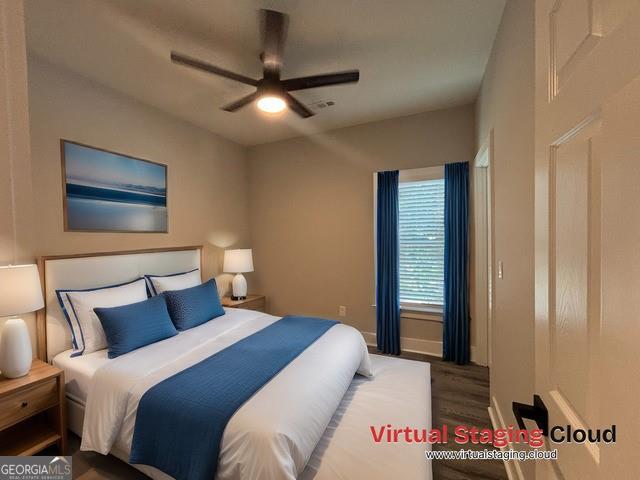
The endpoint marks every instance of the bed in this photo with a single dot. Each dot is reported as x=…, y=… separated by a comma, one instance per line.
x=311, y=420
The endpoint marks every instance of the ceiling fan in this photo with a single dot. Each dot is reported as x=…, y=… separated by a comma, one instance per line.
x=272, y=93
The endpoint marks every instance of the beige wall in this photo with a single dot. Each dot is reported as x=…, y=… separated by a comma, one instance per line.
x=311, y=203
x=506, y=106
x=15, y=165
x=16, y=203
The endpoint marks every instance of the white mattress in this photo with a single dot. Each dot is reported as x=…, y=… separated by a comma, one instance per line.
x=78, y=371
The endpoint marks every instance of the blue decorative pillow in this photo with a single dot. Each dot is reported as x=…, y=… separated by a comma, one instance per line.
x=193, y=306
x=129, y=327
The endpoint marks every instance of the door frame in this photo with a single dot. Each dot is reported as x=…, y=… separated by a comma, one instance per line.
x=483, y=223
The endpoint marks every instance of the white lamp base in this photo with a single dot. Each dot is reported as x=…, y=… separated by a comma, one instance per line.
x=15, y=349
x=239, y=287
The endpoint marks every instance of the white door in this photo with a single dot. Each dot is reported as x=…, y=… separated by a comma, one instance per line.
x=588, y=230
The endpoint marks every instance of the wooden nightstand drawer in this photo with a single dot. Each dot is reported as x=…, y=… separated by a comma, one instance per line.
x=257, y=304
x=32, y=415
x=252, y=302
x=28, y=401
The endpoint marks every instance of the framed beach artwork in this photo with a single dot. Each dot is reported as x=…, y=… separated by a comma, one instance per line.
x=106, y=191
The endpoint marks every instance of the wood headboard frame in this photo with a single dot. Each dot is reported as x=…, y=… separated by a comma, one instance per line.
x=41, y=315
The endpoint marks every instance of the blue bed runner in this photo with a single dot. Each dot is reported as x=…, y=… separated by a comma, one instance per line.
x=180, y=421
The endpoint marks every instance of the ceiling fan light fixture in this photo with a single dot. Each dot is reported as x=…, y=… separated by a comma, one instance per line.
x=271, y=94
x=271, y=104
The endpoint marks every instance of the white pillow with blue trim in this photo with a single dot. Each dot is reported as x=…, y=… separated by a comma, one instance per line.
x=175, y=281
x=87, y=334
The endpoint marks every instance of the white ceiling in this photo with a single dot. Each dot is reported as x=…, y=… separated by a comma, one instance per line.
x=413, y=55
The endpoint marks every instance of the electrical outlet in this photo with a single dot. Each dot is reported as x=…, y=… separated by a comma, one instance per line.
x=342, y=311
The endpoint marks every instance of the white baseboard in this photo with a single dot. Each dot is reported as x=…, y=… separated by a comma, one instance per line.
x=513, y=468
x=418, y=345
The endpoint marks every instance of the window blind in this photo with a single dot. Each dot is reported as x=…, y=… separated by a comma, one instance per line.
x=421, y=238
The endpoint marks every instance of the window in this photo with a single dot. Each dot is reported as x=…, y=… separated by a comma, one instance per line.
x=421, y=237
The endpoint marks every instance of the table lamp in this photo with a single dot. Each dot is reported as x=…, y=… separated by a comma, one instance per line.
x=21, y=293
x=238, y=261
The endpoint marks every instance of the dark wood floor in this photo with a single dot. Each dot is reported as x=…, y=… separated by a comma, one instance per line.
x=460, y=396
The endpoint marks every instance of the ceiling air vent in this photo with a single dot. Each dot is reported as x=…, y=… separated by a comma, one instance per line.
x=322, y=104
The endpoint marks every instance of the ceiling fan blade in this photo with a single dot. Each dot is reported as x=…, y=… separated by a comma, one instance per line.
x=275, y=33
x=207, y=67
x=233, y=106
x=338, y=78
x=297, y=106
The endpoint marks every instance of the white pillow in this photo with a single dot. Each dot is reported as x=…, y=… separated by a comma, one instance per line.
x=176, y=281
x=77, y=305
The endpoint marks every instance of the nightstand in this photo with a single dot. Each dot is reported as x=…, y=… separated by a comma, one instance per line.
x=252, y=302
x=32, y=415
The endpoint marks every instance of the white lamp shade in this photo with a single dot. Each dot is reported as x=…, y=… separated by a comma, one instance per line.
x=21, y=290
x=238, y=261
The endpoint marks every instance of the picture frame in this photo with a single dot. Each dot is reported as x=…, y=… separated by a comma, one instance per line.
x=112, y=192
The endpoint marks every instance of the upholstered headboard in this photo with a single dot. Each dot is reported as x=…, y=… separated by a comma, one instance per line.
x=95, y=270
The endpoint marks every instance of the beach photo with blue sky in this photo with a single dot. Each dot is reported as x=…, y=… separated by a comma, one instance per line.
x=113, y=192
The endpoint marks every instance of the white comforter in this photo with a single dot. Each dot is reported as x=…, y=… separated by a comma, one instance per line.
x=273, y=434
